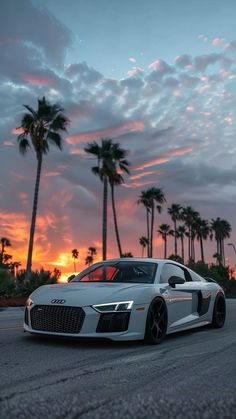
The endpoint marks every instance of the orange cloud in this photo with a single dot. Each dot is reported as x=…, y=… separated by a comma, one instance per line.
x=140, y=175
x=34, y=79
x=151, y=163
x=8, y=40
x=132, y=126
x=179, y=151
x=138, y=184
x=50, y=174
x=8, y=143
x=17, y=131
x=79, y=151
x=165, y=157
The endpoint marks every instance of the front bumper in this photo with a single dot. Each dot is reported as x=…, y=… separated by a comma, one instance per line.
x=130, y=326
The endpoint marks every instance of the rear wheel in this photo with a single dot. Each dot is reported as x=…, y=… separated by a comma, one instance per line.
x=219, y=313
x=156, y=323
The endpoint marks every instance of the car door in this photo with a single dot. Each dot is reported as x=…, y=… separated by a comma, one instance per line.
x=182, y=300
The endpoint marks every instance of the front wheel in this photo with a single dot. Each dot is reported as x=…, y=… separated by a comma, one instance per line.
x=219, y=312
x=156, y=323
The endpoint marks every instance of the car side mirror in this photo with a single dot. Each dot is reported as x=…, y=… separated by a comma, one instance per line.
x=173, y=280
x=70, y=278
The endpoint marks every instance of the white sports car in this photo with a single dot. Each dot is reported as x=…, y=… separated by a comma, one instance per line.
x=126, y=299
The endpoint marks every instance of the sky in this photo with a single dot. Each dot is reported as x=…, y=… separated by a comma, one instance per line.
x=157, y=76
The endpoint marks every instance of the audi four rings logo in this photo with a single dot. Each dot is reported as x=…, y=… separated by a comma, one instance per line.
x=58, y=301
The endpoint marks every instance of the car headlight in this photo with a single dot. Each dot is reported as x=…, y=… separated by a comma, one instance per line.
x=29, y=302
x=114, y=307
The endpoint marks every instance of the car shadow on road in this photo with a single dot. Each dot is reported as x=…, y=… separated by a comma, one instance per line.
x=101, y=343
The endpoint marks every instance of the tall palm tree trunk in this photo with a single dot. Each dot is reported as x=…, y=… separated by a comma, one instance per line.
x=142, y=250
x=193, y=249
x=176, y=249
x=74, y=265
x=104, y=220
x=189, y=244
x=165, y=247
x=115, y=220
x=148, y=234
x=201, y=247
x=182, y=245
x=151, y=233
x=34, y=214
x=223, y=251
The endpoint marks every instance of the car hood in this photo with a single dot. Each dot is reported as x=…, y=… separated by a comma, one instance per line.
x=86, y=294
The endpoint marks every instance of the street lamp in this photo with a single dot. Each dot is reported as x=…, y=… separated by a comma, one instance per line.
x=231, y=244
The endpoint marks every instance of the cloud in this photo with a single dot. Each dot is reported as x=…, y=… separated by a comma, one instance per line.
x=201, y=62
x=34, y=79
x=131, y=126
x=183, y=61
x=177, y=121
x=25, y=25
x=231, y=46
x=135, y=71
x=217, y=41
x=83, y=73
x=150, y=163
x=161, y=67
x=132, y=60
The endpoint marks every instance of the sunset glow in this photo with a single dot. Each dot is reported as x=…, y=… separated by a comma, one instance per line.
x=170, y=104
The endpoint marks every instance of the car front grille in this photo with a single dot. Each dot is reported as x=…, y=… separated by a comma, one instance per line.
x=57, y=319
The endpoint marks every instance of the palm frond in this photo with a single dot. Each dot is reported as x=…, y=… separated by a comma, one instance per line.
x=31, y=110
x=27, y=121
x=55, y=139
x=60, y=122
x=96, y=171
x=24, y=144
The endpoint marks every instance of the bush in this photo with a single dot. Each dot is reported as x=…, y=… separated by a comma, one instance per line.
x=219, y=273
x=26, y=285
x=7, y=284
x=230, y=288
x=176, y=258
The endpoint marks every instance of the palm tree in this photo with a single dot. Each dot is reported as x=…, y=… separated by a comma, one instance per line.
x=144, y=200
x=127, y=255
x=115, y=179
x=16, y=266
x=164, y=230
x=41, y=128
x=189, y=216
x=149, y=199
x=175, y=212
x=4, y=243
x=218, y=258
x=75, y=255
x=181, y=232
x=89, y=260
x=222, y=230
x=109, y=156
x=143, y=241
x=92, y=251
x=156, y=196
x=202, y=232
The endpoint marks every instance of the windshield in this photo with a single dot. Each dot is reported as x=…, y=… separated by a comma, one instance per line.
x=127, y=272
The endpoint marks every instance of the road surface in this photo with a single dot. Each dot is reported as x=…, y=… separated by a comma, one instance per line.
x=190, y=375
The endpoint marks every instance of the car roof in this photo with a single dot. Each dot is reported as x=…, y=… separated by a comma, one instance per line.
x=140, y=259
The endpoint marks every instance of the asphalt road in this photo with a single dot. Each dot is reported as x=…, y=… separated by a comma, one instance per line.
x=190, y=375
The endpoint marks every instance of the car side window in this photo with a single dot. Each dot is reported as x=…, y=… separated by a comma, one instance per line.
x=196, y=277
x=169, y=270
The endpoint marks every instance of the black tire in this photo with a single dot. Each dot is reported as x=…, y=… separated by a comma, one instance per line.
x=219, y=312
x=156, y=323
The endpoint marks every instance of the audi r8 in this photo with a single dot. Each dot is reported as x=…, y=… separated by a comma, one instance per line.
x=126, y=299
